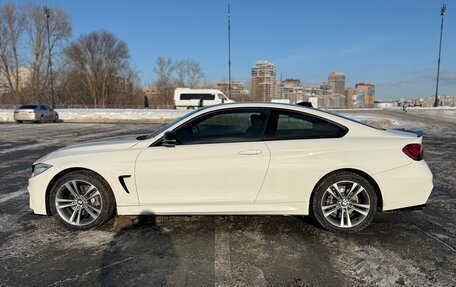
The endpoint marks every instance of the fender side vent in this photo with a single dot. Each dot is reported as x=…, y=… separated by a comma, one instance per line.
x=122, y=182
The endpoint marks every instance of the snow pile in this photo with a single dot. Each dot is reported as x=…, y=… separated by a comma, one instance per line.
x=108, y=115
x=122, y=115
x=376, y=121
x=6, y=115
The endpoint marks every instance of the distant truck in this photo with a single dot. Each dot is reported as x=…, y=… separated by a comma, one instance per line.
x=185, y=98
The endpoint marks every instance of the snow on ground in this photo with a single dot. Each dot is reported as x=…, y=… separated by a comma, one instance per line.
x=107, y=115
x=378, y=121
x=166, y=115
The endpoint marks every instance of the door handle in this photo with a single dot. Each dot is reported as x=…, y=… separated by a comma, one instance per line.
x=250, y=152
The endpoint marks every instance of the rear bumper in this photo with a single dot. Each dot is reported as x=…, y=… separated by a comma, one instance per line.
x=24, y=117
x=406, y=186
x=411, y=208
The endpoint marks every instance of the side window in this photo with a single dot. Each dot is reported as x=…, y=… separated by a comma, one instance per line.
x=43, y=108
x=226, y=126
x=292, y=125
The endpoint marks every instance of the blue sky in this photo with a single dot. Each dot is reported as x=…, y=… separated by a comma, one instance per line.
x=393, y=44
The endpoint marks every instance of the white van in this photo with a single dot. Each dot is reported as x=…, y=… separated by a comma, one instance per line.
x=185, y=98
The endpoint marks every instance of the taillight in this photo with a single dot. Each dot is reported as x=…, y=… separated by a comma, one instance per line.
x=414, y=151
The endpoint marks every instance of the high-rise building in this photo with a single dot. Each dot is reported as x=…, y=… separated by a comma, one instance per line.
x=337, y=79
x=291, y=83
x=238, y=93
x=263, y=81
x=326, y=88
x=354, y=98
x=369, y=93
x=24, y=79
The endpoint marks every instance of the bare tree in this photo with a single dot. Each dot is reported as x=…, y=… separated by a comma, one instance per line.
x=195, y=73
x=59, y=31
x=164, y=69
x=12, y=22
x=188, y=73
x=181, y=71
x=101, y=61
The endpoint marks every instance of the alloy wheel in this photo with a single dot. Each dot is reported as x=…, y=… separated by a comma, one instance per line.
x=78, y=202
x=345, y=204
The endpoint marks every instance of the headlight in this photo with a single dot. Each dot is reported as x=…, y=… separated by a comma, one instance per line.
x=40, y=168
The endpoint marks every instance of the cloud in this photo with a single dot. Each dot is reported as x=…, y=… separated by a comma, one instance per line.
x=447, y=78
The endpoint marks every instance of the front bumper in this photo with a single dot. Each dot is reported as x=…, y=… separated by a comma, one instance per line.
x=406, y=186
x=37, y=187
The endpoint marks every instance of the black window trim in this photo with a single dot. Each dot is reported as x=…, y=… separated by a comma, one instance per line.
x=273, y=121
x=268, y=113
x=267, y=127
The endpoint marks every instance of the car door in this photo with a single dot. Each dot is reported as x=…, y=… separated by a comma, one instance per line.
x=219, y=158
x=47, y=113
x=41, y=109
x=303, y=148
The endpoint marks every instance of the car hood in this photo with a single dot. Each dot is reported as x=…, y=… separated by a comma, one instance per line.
x=105, y=145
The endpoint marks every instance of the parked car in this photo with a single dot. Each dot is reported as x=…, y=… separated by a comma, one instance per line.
x=241, y=158
x=185, y=98
x=35, y=113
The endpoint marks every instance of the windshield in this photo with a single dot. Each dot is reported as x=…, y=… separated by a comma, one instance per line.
x=167, y=126
x=28, y=107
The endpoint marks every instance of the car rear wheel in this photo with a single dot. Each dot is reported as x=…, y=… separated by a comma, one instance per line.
x=42, y=119
x=56, y=119
x=19, y=122
x=81, y=200
x=345, y=202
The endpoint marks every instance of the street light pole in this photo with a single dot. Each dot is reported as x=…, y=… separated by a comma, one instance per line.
x=229, y=52
x=442, y=13
x=47, y=14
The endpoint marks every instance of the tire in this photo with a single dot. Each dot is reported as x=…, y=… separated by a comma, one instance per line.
x=19, y=122
x=354, y=200
x=56, y=119
x=41, y=119
x=93, y=205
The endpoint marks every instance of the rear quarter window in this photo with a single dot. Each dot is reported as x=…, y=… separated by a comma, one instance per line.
x=294, y=125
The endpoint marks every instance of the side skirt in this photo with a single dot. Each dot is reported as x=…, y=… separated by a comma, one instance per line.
x=218, y=209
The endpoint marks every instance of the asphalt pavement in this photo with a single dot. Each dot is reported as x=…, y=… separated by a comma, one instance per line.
x=414, y=248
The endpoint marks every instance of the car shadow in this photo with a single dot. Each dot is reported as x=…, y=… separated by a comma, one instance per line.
x=138, y=240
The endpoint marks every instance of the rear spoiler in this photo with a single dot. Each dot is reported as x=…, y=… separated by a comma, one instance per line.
x=418, y=133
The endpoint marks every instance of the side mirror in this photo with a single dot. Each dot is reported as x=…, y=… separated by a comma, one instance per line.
x=169, y=139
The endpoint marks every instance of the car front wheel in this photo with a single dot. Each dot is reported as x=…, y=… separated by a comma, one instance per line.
x=344, y=202
x=81, y=200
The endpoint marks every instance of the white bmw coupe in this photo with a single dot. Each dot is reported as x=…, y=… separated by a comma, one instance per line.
x=241, y=158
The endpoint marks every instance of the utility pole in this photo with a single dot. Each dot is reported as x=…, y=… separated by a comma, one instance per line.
x=229, y=52
x=442, y=13
x=51, y=80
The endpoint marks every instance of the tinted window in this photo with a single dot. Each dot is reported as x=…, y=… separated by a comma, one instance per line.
x=43, y=108
x=206, y=97
x=292, y=125
x=226, y=126
x=28, y=107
